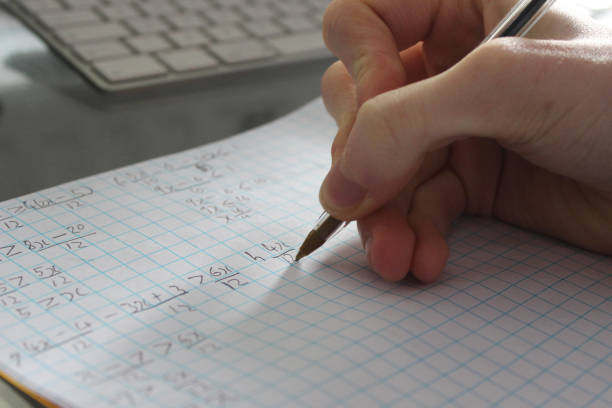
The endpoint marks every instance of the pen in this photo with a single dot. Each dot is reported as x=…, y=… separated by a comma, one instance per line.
x=519, y=20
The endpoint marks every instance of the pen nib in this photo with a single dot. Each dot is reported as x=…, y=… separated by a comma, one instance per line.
x=300, y=255
x=311, y=243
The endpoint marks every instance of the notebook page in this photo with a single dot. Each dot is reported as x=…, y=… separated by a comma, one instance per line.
x=172, y=283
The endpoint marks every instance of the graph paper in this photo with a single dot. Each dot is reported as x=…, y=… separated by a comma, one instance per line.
x=172, y=283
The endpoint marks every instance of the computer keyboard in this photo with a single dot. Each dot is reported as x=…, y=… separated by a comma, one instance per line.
x=127, y=44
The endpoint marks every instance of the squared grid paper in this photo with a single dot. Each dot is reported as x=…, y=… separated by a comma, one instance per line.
x=171, y=283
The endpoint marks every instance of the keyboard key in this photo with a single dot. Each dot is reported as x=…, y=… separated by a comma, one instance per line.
x=90, y=52
x=118, y=12
x=298, y=23
x=104, y=31
x=184, y=20
x=292, y=9
x=226, y=32
x=67, y=18
x=148, y=43
x=187, y=38
x=196, y=5
x=188, y=59
x=157, y=8
x=296, y=43
x=147, y=25
x=130, y=68
x=81, y=3
x=223, y=16
x=242, y=51
x=232, y=3
x=38, y=6
x=317, y=18
x=263, y=28
x=320, y=5
x=262, y=12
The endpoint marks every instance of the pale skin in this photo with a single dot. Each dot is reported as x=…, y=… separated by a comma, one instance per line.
x=431, y=127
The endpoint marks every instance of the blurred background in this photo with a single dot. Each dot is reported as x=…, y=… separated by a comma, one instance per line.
x=55, y=126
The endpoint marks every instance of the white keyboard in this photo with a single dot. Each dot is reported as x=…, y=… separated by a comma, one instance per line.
x=127, y=44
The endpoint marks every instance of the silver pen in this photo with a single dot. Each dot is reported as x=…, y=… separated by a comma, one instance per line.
x=519, y=20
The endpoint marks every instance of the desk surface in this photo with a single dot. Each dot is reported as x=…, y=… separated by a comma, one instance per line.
x=55, y=127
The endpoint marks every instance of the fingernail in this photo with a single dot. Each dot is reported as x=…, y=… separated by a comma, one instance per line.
x=341, y=192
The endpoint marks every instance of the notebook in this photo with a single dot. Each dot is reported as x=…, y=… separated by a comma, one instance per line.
x=172, y=282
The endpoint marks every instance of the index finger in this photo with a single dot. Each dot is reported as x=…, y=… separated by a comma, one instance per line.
x=368, y=35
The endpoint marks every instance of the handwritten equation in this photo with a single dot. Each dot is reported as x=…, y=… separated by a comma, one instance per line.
x=185, y=173
x=107, y=282
x=71, y=200
x=46, y=287
x=72, y=237
x=201, y=182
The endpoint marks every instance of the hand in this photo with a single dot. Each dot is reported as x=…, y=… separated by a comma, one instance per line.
x=431, y=128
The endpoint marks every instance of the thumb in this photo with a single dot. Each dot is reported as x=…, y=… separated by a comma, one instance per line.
x=508, y=89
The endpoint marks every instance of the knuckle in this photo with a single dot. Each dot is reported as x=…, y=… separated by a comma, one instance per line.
x=337, y=146
x=339, y=94
x=334, y=73
x=327, y=82
x=379, y=120
x=494, y=57
x=514, y=98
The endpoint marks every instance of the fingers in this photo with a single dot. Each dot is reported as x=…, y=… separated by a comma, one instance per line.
x=377, y=162
x=554, y=205
x=483, y=95
x=340, y=98
x=368, y=35
x=398, y=241
x=340, y=94
x=389, y=241
x=436, y=204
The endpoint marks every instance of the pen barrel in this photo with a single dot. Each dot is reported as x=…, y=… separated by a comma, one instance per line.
x=328, y=226
x=519, y=20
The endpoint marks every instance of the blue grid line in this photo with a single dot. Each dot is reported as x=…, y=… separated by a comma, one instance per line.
x=123, y=336
x=42, y=335
x=470, y=332
x=550, y=336
x=145, y=326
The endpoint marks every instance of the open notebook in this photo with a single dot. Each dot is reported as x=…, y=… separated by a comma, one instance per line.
x=171, y=283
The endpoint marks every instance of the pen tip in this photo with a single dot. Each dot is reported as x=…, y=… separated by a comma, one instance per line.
x=311, y=243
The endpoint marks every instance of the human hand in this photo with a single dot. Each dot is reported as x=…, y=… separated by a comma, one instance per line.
x=429, y=128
